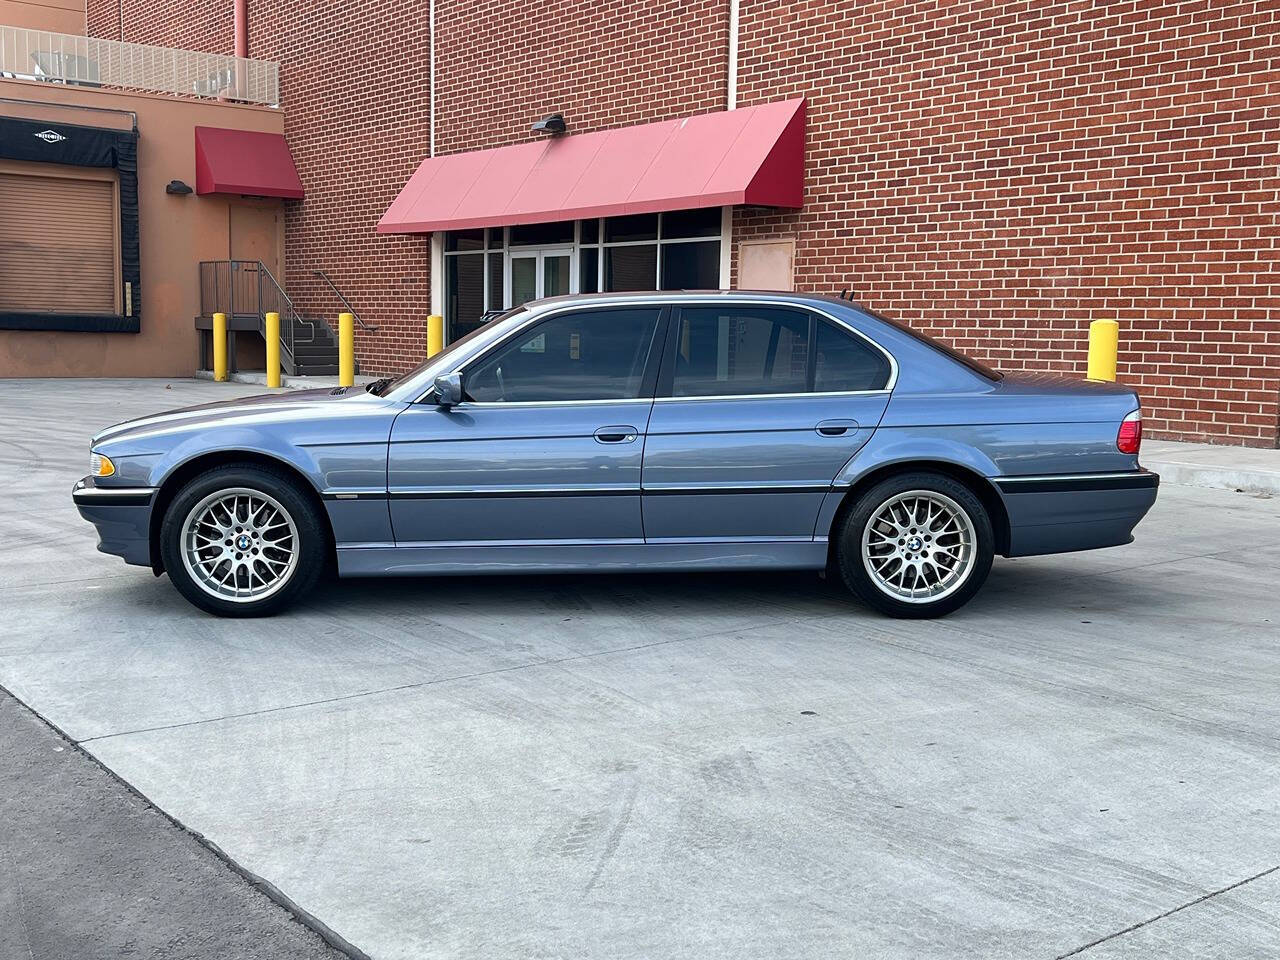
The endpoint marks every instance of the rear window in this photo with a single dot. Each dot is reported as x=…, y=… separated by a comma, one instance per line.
x=978, y=367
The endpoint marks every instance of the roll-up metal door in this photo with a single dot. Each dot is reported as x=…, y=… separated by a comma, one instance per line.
x=59, y=248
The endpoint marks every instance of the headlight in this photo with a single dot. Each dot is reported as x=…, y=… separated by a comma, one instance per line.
x=100, y=466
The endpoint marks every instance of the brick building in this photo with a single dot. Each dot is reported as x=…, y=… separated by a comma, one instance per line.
x=997, y=173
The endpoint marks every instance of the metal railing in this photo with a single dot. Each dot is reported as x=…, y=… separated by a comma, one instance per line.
x=345, y=302
x=90, y=61
x=246, y=288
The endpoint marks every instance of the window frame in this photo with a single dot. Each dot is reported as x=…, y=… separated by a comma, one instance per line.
x=648, y=376
x=497, y=240
x=666, y=375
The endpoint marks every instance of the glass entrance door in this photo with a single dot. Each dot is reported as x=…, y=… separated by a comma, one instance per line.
x=540, y=273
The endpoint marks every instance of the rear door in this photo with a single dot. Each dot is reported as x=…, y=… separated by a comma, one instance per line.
x=546, y=446
x=758, y=408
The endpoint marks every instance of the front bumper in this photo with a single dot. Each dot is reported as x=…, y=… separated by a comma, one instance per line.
x=122, y=516
x=1057, y=514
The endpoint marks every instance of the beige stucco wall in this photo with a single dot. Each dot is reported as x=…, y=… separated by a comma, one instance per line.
x=175, y=232
x=60, y=16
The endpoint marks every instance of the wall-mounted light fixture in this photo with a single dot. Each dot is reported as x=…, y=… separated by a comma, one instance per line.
x=178, y=188
x=553, y=124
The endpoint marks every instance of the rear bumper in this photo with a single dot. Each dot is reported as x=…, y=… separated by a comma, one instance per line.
x=1057, y=514
x=122, y=516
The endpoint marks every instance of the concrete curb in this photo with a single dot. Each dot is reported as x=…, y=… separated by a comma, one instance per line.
x=262, y=885
x=1247, y=469
x=286, y=383
x=1215, y=477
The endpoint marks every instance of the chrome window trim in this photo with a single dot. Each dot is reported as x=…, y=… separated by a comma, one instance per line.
x=773, y=396
x=472, y=404
x=605, y=301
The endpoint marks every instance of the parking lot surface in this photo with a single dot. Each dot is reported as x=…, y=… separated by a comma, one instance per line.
x=1081, y=762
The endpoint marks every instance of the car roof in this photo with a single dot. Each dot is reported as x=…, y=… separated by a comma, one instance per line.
x=667, y=295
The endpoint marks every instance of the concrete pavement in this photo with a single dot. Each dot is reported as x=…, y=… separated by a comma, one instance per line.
x=679, y=766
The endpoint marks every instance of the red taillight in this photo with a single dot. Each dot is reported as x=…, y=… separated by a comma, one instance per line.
x=1129, y=439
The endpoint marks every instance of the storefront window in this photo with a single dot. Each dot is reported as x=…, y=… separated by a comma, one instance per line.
x=631, y=268
x=471, y=290
x=489, y=270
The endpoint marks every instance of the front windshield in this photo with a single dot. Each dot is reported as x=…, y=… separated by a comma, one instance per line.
x=382, y=387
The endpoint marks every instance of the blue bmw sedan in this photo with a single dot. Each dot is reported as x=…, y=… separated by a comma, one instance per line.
x=634, y=432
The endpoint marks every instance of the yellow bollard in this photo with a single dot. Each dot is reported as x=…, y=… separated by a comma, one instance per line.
x=435, y=335
x=220, y=346
x=1104, y=343
x=273, y=349
x=346, y=349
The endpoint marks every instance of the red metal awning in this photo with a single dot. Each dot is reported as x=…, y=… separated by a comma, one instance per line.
x=754, y=155
x=245, y=162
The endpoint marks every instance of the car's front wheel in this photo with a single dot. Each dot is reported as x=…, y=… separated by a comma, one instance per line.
x=916, y=545
x=242, y=541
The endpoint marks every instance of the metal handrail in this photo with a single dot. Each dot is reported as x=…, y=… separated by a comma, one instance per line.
x=345, y=302
x=247, y=288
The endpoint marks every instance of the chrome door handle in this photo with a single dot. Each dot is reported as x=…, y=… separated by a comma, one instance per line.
x=616, y=434
x=836, y=428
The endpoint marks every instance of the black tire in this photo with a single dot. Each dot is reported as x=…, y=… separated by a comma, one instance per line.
x=311, y=545
x=854, y=568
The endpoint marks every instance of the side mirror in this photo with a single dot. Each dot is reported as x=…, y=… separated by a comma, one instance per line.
x=448, y=389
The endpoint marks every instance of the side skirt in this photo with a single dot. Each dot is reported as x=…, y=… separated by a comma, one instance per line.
x=374, y=561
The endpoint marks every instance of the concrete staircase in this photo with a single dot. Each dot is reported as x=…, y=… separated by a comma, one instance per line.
x=315, y=352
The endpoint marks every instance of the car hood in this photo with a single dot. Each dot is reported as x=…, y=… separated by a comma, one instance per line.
x=265, y=408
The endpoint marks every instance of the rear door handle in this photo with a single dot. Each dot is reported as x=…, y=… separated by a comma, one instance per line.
x=836, y=428
x=616, y=434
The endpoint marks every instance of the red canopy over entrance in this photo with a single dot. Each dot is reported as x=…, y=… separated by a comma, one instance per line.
x=245, y=162
x=754, y=155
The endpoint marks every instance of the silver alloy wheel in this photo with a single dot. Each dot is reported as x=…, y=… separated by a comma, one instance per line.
x=239, y=545
x=919, y=546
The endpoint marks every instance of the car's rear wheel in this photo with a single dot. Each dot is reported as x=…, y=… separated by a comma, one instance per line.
x=916, y=545
x=242, y=541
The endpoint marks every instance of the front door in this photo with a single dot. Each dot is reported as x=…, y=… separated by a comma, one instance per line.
x=253, y=237
x=540, y=273
x=758, y=410
x=254, y=233
x=545, y=448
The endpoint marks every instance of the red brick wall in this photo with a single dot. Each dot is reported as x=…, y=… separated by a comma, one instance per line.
x=996, y=173
x=353, y=84
x=504, y=64
x=1000, y=174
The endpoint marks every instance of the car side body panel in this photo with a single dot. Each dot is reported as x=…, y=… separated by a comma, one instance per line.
x=337, y=442
x=751, y=467
x=418, y=559
x=499, y=472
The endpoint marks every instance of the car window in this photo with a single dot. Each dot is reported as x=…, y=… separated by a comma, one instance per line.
x=844, y=361
x=732, y=350
x=580, y=355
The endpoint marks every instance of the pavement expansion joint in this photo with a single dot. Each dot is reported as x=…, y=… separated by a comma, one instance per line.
x=1168, y=913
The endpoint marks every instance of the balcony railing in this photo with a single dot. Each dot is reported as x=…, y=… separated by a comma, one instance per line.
x=90, y=62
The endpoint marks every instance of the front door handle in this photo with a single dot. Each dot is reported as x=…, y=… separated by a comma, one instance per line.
x=836, y=428
x=616, y=434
